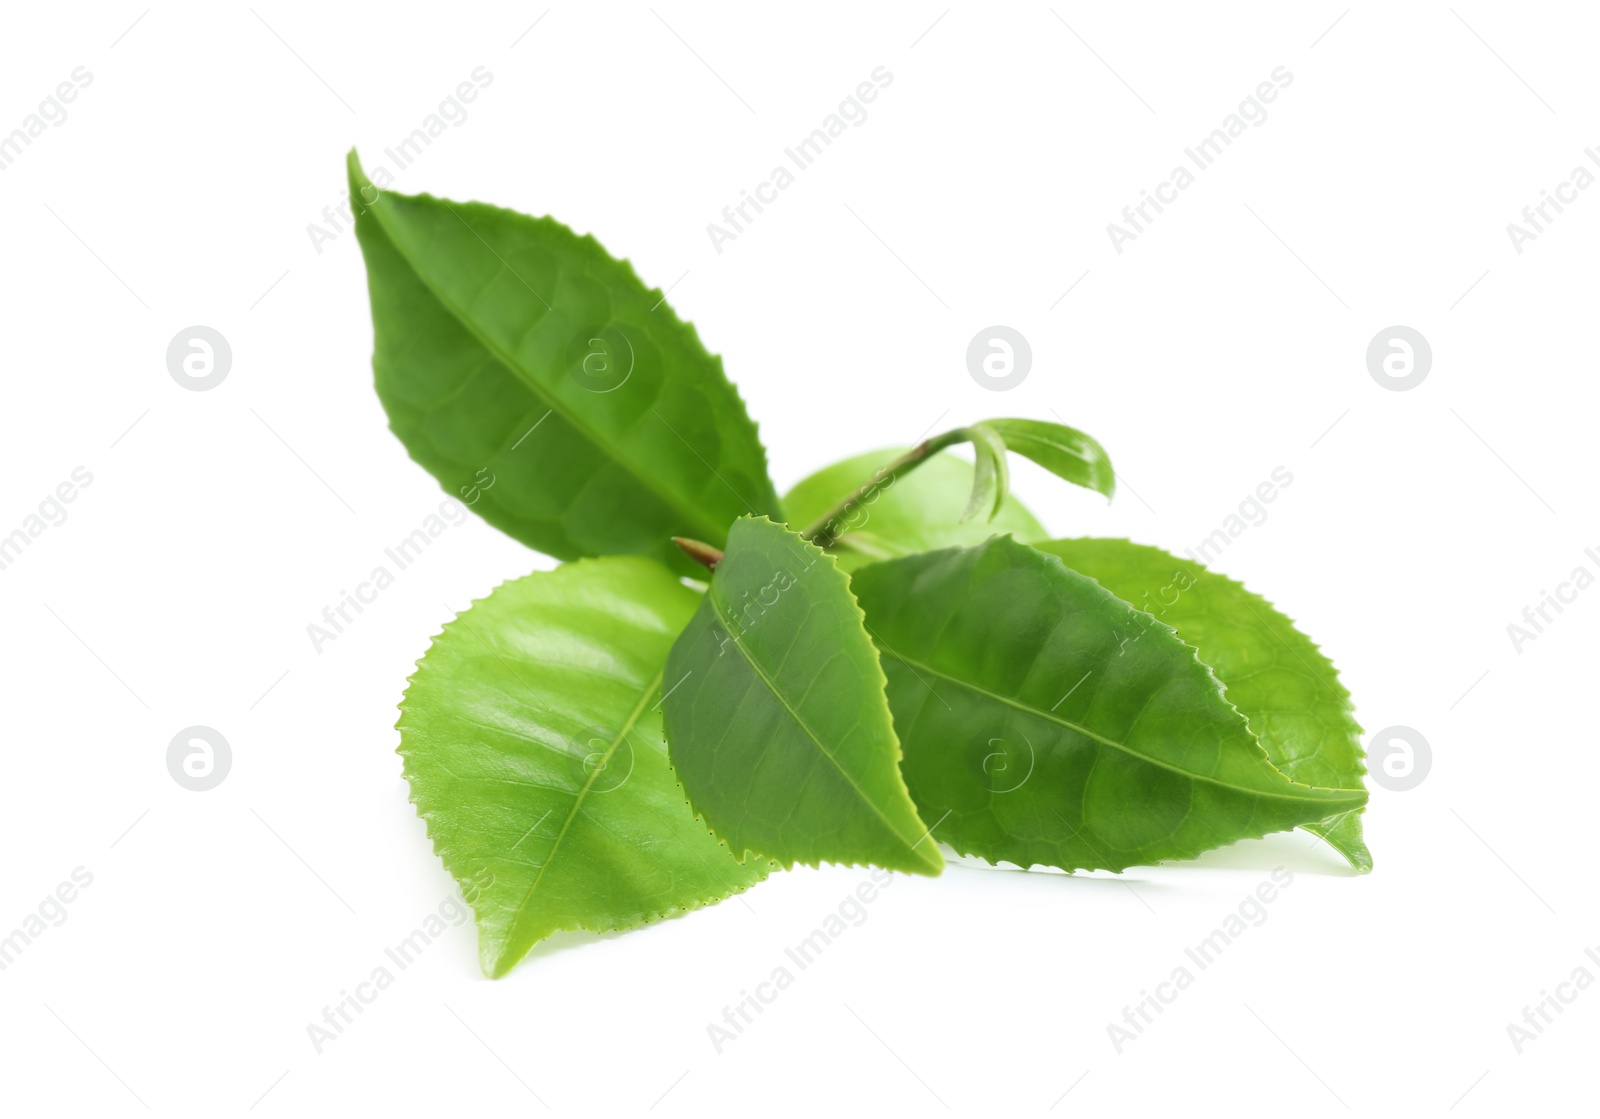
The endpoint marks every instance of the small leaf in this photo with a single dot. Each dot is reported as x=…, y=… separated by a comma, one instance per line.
x=991, y=479
x=1044, y=720
x=545, y=386
x=532, y=742
x=775, y=714
x=1064, y=451
x=917, y=512
x=1282, y=683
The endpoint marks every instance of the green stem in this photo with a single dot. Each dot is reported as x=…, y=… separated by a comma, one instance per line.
x=830, y=526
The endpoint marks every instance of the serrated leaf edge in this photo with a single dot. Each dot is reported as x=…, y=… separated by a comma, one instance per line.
x=633, y=920
x=1210, y=674
x=899, y=755
x=1362, y=862
x=692, y=334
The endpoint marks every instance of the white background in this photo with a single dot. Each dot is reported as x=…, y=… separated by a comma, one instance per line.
x=1227, y=340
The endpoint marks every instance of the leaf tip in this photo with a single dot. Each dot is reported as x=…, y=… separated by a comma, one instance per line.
x=352, y=164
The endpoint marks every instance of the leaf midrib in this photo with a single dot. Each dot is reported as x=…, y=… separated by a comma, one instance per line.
x=1102, y=739
x=689, y=509
x=577, y=803
x=772, y=687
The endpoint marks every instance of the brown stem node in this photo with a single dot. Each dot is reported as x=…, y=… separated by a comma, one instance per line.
x=703, y=554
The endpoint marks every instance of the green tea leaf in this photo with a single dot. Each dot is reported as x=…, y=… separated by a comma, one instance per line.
x=1064, y=451
x=775, y=714
x=916, y=512
x=539, y=380
x=1045, y=720
x=991, y=479
x=1281, y=682
x=532, y=741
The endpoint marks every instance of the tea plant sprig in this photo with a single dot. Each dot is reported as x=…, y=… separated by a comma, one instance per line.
x=719, y=682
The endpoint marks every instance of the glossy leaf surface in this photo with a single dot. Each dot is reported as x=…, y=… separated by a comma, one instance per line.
x=1044, y=720
x=542, y=383
x=776, y=717
x=1282, y=683
x=532, y=742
